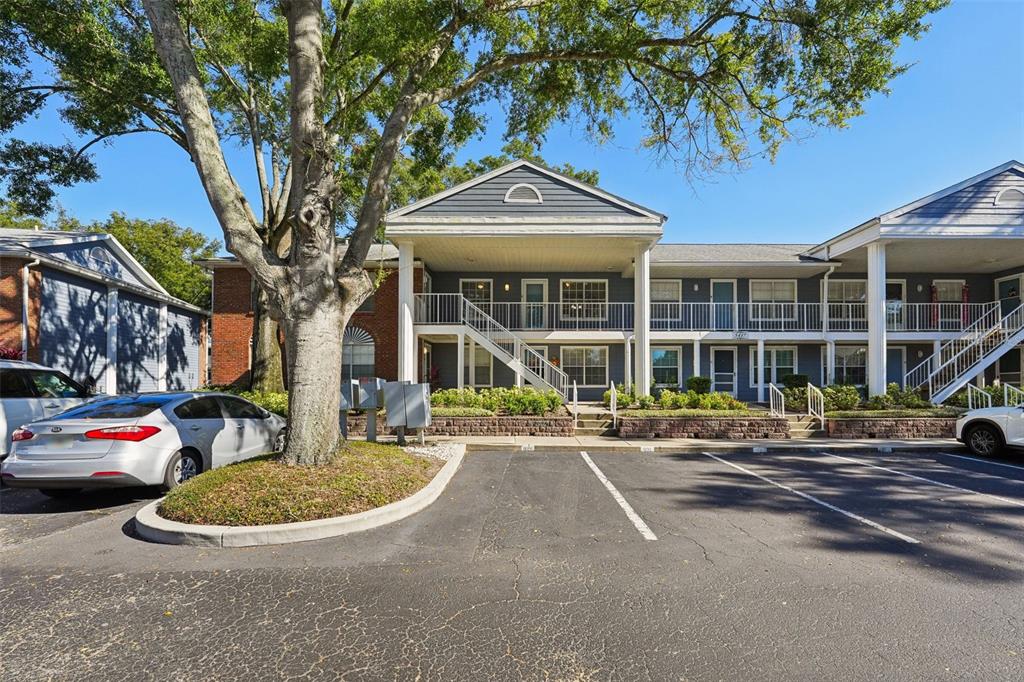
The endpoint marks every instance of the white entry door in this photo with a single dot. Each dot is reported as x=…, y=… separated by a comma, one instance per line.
x=723, y=370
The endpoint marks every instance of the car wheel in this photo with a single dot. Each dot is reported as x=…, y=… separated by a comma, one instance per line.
x=181, y=467
x=60, y=493
x=279, y=442
x=984, y=440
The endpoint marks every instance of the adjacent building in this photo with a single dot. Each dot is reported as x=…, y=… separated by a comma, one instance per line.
x=527, y=276
x=80, y=303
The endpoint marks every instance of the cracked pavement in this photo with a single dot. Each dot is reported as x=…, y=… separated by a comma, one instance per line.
x=526, y=568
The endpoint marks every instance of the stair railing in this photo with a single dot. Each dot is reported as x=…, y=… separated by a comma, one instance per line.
x=816, y=404
x=613, y=404
x=977, y=398
x=776, y=401
x=575, y=406
x=508, y=342
x=975, y=345
x=1012, y=396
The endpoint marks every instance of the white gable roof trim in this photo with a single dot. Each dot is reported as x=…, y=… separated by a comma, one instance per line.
x=648, y=214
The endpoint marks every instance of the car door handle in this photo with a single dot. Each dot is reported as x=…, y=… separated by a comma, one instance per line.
x=50, y=405
x=195, y=427
x=239, y=426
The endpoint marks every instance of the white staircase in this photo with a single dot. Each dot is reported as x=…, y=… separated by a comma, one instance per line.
x=959, y=360
x=487, y=332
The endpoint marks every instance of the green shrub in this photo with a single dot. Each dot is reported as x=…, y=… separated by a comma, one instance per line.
x=841, y=397
x=699, y=384
x=795, y=398
x=667, y=398
x=513, y=401
x=645, y=402
x=460, y=412
x=959, y=399
x=272, y=402
x=624, y=397
x=796, y=380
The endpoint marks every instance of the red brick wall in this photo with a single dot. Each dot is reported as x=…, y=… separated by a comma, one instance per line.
x=232, y=324
x=10, y=306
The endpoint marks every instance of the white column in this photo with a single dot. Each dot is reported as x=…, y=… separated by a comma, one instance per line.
x=110, y=374
x=406, y=336
x=472, y=363
x=627, y=377
x=876, y=319
x=936, y=357
x=830, y=363
x=518, y=364
x=696, y=357
x=161, y=360
x=461, y=360
x=641, y=318
x=760, y=370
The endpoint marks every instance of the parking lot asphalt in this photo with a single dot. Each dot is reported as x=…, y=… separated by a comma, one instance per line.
x=538, y=566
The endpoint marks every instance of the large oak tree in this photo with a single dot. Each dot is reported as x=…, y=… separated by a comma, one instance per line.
x=346, y=102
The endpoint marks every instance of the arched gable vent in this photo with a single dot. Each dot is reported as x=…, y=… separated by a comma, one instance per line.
x=1011, y=196
x=523, y=193
x=356, y=336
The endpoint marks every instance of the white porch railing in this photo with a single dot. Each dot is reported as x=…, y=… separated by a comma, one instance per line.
x=613, y=404
x=1012, y=396
x=816, y=404
x=776, y=401
x=575, y=406
x=977, y=398
x=724, y=317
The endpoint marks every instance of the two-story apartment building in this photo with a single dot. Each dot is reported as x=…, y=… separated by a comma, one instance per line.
x=524, y=275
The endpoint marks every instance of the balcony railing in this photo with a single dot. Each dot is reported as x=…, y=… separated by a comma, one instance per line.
x=723, y=317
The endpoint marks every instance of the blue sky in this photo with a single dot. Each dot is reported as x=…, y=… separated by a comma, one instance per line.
x=957, y=112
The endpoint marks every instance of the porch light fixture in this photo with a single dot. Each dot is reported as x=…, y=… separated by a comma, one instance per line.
x=506, y=286
x=696, y=287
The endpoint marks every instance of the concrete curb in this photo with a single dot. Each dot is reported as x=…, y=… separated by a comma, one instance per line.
x=759, y=448
x=155, y=528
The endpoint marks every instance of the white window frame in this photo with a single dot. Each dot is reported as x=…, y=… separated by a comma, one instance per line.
x=607, y=361
x=1019, y=277
x=526, y=305
x=824, y=362
x=579, y=318
x=679, y=364
x=1006, y=190
x=962, y=282
x=757, y=305
x=471, y=369
x=490, y=287
x=539, y=198
x=770, y=351
x=678, y=298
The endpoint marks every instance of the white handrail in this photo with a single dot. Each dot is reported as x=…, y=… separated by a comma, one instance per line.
x=977, y=398
x=1012, y=396
x=776, y=401
x=613, y=404
x=816, y=404
x=575, y=405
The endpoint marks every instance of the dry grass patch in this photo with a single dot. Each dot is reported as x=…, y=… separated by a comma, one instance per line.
x=265, y=490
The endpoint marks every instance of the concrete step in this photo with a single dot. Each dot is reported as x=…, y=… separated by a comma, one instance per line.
x=806, y=433
x=593, y=423
x=594, y=431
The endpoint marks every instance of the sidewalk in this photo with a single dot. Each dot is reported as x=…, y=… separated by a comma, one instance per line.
x=613, y=444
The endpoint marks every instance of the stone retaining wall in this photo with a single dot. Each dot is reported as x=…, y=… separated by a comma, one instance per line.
x=480, y=426
x=895, y=428
x=732, y=428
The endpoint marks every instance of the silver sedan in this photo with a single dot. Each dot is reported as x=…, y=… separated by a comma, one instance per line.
x=148, y=439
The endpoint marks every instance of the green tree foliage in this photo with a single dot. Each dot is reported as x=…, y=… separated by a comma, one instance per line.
x=164, y=248
x=346, y=102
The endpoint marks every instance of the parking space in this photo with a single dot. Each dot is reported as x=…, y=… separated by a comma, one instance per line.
x=571, y=565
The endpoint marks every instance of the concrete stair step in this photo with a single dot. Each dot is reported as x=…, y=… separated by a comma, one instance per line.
x=598, y=431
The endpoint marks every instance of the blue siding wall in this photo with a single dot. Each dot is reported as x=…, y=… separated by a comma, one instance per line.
x=72, y=327
x=620, y=289
x=137, y=344
x=182, y=350
x=559, y=198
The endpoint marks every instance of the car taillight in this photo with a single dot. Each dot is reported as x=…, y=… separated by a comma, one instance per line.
x=132, y=433
x=22, y=434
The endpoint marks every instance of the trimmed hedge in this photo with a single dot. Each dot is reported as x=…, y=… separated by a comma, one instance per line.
x=512, y=401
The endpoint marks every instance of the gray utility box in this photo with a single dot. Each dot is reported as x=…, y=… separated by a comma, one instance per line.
x=407, y=404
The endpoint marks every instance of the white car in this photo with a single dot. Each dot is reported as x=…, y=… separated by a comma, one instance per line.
x=29, y=392
x=989, y=430
x=146, y=439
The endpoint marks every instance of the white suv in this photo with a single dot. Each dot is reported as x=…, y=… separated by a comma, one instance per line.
x=29, y=392
x=989, y=430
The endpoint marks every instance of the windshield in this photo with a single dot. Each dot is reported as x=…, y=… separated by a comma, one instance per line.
x=126, y=407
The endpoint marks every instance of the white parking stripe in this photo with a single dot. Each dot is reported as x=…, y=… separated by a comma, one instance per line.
x=982, y=461
x=823, y=503
x=630, y=514
x=927, y=480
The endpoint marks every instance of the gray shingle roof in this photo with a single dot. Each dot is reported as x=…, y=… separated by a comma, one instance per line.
x=378, y=252
x=10, y=236
x=710, y=254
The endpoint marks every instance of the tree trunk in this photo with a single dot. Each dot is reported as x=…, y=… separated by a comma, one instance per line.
x=267, y=369
x=313, y=343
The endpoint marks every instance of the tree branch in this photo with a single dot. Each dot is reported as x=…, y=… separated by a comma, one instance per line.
x=226, y=198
